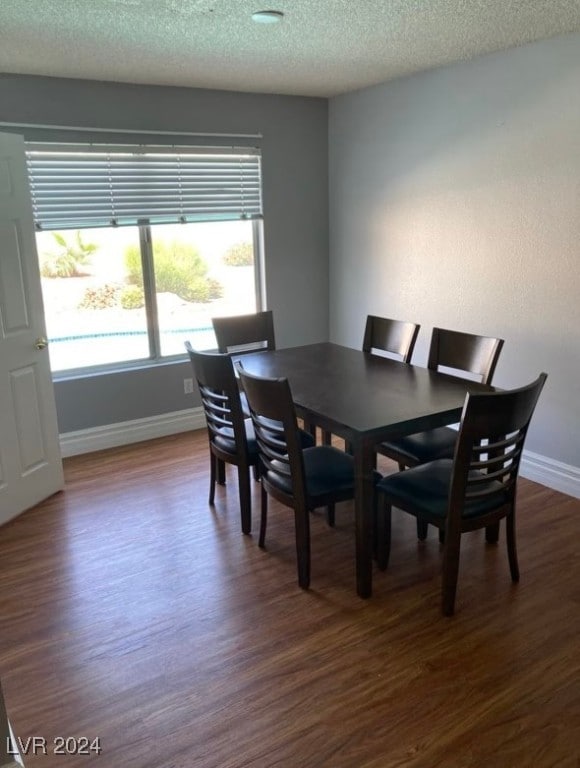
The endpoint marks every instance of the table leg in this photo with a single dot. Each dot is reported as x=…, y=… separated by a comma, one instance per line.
x=363, y=506
x=309, y=426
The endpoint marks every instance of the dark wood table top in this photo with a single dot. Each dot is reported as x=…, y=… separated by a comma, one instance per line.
x=355, y=394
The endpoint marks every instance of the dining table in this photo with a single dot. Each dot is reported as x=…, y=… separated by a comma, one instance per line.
x=365, y=399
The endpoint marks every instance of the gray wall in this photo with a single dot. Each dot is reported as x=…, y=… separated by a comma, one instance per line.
x=295, y=194
x=455, y=201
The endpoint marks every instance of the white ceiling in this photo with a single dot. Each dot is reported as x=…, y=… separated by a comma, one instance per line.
x=321, y=48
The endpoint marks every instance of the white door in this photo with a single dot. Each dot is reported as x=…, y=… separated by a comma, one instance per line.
x=30, y=461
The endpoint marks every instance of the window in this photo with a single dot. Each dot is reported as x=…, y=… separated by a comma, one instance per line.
x=140, y=247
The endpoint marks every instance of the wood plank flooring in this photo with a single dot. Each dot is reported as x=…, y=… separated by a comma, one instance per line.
x=133, y=612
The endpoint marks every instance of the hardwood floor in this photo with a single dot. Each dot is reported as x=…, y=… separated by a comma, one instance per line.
x=133, y=612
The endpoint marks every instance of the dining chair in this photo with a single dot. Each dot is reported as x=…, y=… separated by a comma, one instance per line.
x=245, y=333
x=303, y=479
x=475, y=489
x=230, y=433
x=396, y=337
x=383, y=335
x=457, y=353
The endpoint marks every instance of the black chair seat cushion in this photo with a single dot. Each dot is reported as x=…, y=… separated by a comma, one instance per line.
x=225, y=439
x=327, y=470
x=426, y=489
x=424, y=446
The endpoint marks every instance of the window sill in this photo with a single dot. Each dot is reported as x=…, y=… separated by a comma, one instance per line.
x=121, y=369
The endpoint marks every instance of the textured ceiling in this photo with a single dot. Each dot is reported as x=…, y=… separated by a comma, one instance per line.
x=320, y=48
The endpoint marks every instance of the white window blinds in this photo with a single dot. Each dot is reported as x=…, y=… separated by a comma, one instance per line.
x=75, y=186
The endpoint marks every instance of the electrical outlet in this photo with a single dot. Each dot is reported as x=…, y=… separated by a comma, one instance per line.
x=187, y=386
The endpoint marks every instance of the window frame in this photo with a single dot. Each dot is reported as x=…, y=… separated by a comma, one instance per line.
x=155, y=358
x=145, y=226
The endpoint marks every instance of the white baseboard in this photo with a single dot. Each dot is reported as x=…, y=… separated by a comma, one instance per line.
x=126, y=432
x=555, y=474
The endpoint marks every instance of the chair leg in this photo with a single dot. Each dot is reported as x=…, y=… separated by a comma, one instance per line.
x=221, y=472
x=263, y=517
x=511, y=546
x=330, y=515
x=492, y=533
x=375, y=526
x=383, y=529
x=302, y=524
x=422, y=530
x=450, y=572
x=212, y=478
x=245, y=499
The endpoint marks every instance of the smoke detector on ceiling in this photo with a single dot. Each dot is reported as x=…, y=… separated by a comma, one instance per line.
x=267, y=17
